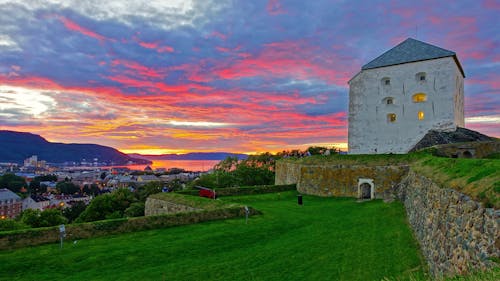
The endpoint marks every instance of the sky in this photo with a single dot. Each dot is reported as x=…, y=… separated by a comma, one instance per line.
x=177, y=76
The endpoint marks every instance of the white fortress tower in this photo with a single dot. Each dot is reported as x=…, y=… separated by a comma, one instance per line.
x=401, y=95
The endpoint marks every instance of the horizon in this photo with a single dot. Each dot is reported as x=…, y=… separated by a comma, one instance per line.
x=176, y=77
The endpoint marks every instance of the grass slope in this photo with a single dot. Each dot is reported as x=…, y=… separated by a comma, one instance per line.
x=325, y=239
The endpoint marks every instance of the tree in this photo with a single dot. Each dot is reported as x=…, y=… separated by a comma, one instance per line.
x=67, y=187
x=12, y=182
x=149, y=188
x=71, y=213
x=30, y=217
x=91, y=189
x=135, y=210
x=9, y=224
x=112, y=205
x=37, y=218
x=51, y=217
x=37, y=188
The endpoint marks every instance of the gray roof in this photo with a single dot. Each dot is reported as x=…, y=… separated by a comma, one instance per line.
x=6, y=194
x=411, y=50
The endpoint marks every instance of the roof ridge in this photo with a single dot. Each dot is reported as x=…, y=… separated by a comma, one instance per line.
x=410, y=50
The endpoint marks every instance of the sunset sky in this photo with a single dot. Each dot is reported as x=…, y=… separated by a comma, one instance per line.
x=213, y=75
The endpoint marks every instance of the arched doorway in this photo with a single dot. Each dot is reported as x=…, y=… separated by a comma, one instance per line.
x=366, y=189
x=467, y=154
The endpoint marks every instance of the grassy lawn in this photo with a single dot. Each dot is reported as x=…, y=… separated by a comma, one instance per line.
x=325, y=239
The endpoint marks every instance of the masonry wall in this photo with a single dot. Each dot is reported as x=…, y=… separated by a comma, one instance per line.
x=161, y=207
x=370, y=132
x=287, y=173
x=339, y=180
x=455, y=233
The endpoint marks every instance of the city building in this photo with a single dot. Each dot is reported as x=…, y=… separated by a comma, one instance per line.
x=10, y=204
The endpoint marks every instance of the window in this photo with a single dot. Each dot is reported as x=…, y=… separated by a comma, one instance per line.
x=419, y=97
x=421, y=115
x=388, y=100
x=391, y=117
x=420, y=76
x=386, y=81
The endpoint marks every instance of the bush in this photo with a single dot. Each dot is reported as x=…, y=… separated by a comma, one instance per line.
x=135, y=210
x=108, y=206
x=31, y=237
x=8, y=224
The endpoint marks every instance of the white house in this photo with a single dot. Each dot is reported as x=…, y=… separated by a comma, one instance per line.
x=398, y=97
x=35, y=202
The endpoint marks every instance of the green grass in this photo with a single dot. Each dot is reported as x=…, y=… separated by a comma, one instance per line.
x=325, y=239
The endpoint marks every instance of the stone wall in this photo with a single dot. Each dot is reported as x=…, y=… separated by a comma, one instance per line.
x=161, y=207
x=287, y=173
x=469, y=149
x=456, y=234
x=339, y=180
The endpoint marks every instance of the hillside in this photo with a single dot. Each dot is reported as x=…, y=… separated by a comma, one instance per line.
x=324, y=239
x=17, y=146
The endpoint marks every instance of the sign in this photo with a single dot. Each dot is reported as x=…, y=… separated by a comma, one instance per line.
x=62, y=233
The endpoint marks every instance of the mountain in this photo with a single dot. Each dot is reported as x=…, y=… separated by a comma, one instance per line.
x=17, y=146
x=191, y=156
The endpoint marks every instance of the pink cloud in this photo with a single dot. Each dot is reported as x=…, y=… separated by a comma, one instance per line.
x=71, y=25
x=157, y=47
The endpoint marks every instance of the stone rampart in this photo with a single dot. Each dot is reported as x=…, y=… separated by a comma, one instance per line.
x=456, y=234
x=161, y=207
x=287, y=173
x=340, y=180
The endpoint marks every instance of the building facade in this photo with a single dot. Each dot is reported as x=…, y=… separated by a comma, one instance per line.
x=399, y=96
x=10, y=204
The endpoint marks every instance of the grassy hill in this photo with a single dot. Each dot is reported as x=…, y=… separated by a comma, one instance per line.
x=325, y=239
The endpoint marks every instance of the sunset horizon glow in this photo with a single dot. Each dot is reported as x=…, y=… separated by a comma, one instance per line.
x=173, y=77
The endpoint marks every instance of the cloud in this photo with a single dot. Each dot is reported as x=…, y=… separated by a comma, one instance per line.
x=219, y=75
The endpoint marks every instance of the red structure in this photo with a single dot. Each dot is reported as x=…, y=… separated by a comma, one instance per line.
x=206, y=192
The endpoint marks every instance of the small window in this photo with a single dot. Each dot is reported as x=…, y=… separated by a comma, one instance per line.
x=391, y=117
x=386, y=81
x=420, y=76
x=388, y=100
x=419, y=97
x=421, y=115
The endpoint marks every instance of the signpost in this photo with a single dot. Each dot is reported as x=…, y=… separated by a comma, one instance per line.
x=247, y=211
x=62, y=233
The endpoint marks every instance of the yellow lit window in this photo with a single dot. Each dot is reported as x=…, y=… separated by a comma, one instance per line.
x=391, y=117
x=421, y=115
x=420, y=97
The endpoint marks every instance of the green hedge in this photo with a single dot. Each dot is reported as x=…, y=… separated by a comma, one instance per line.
x=244, y=190
x=37, y=236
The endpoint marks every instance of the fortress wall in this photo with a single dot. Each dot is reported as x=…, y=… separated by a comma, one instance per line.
x=287, y=173
x=476, y=149
x=339, y=180
x=455, y=233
